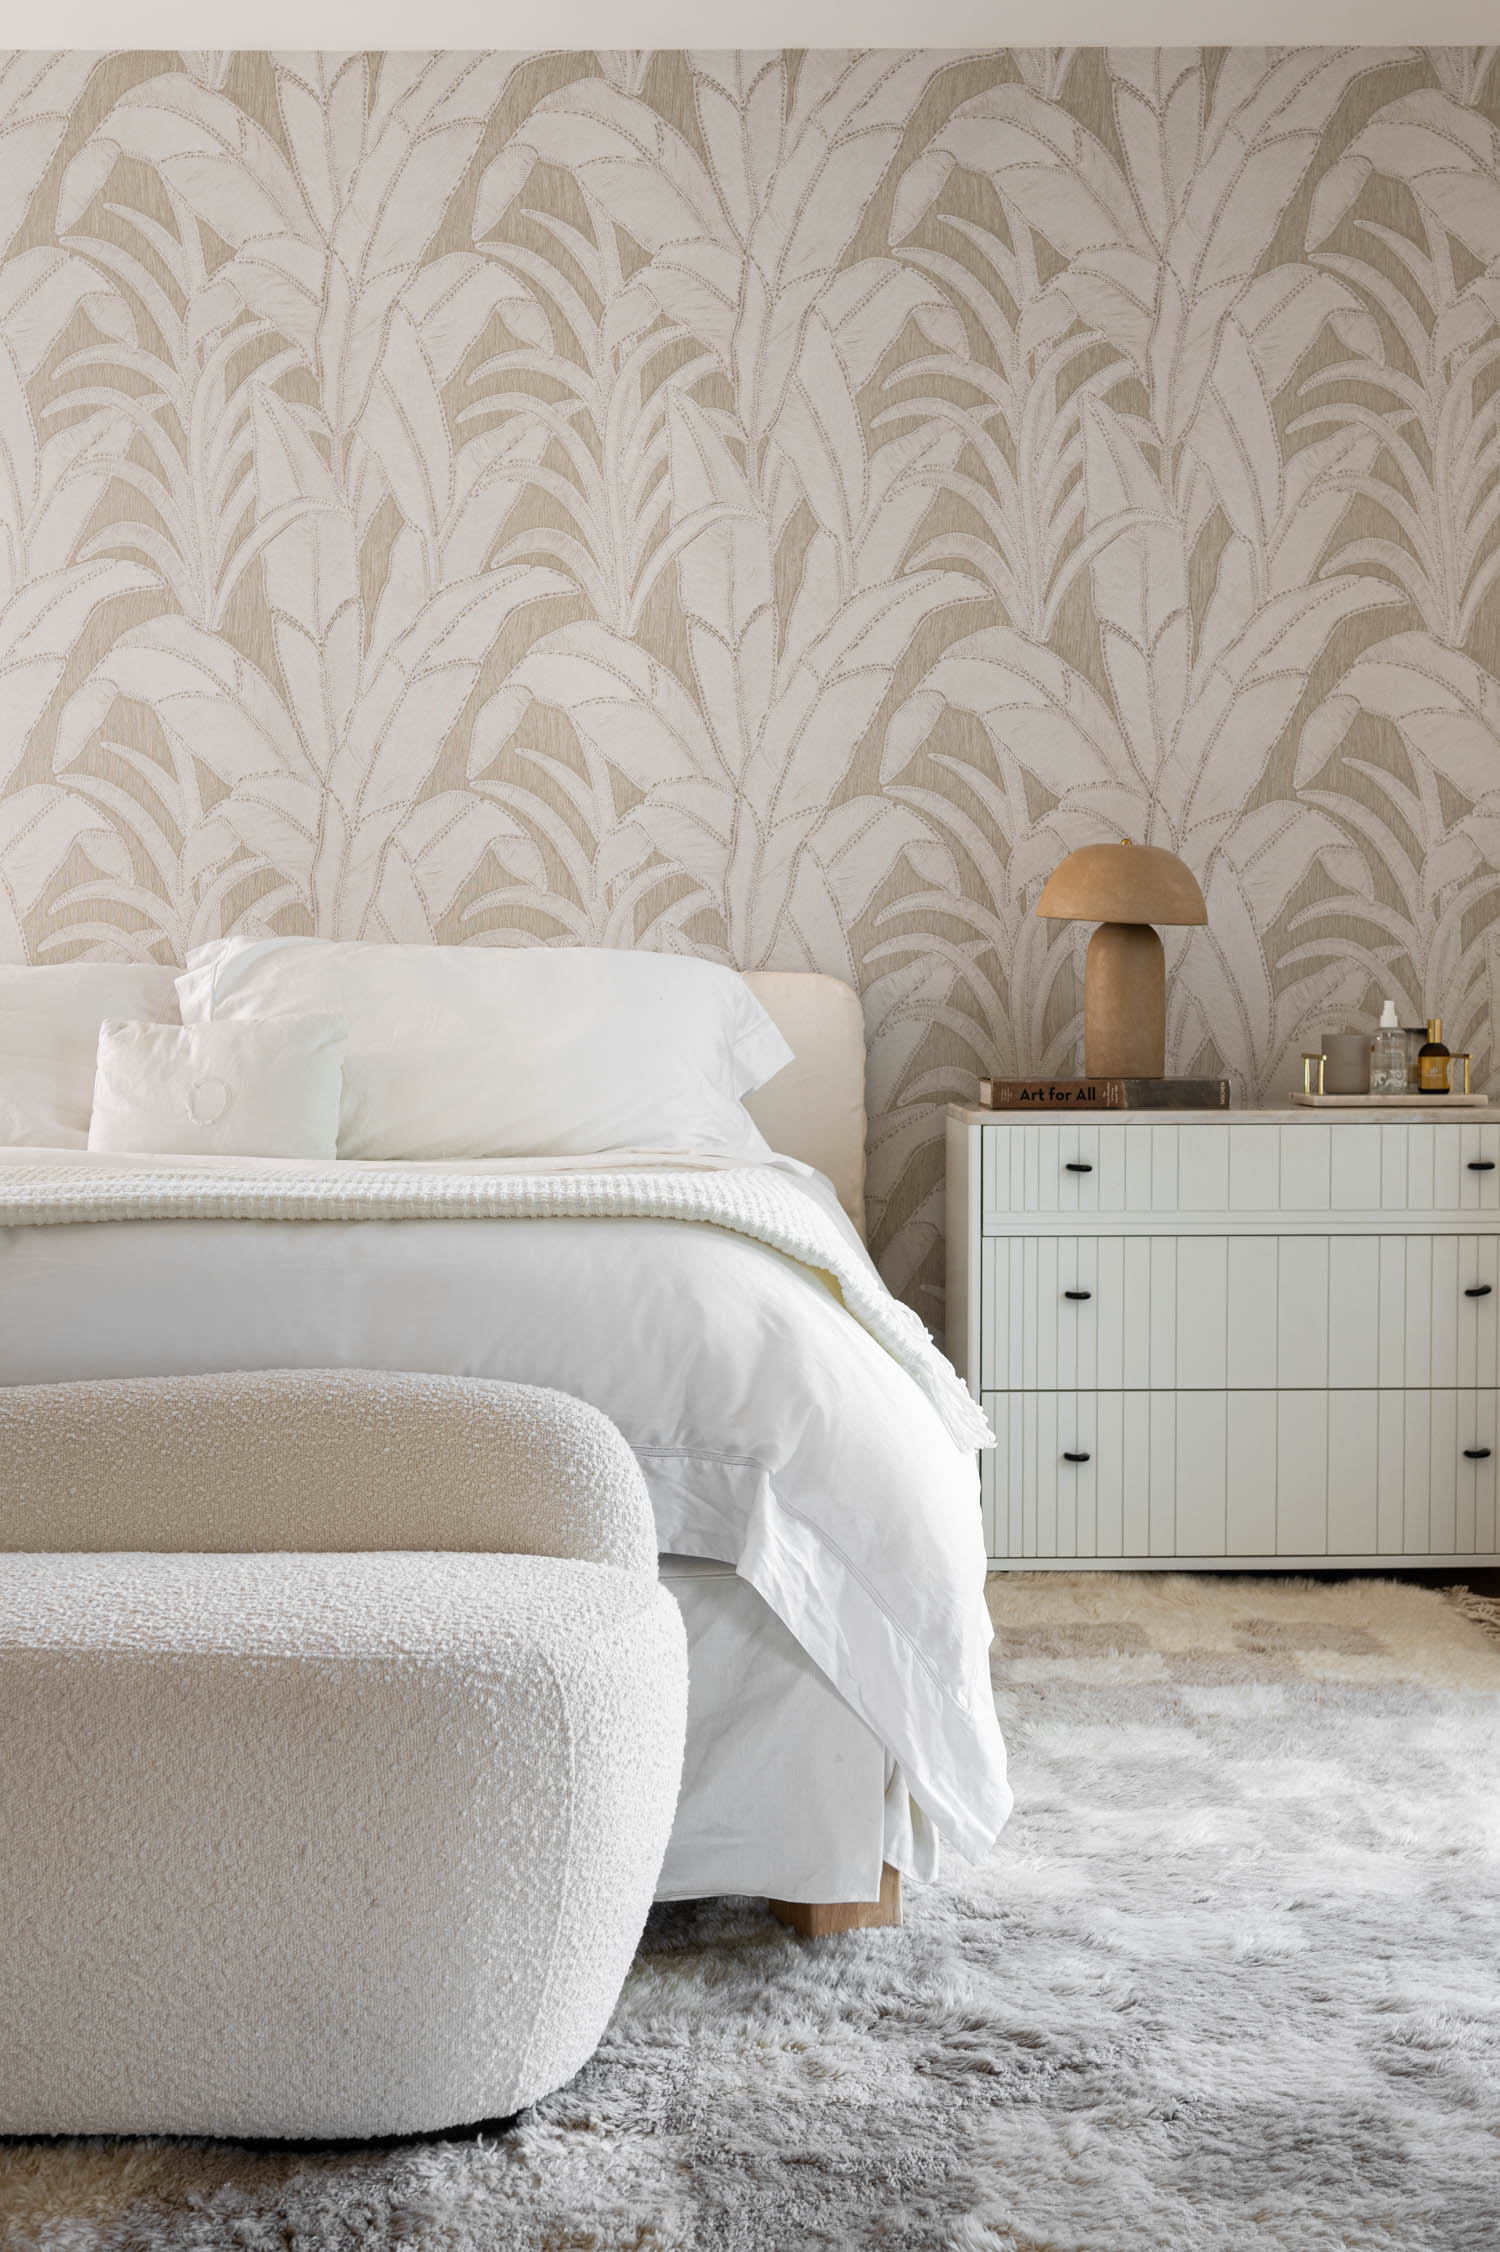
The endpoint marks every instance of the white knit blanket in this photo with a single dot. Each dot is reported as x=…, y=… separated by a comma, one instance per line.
x=754, y=1201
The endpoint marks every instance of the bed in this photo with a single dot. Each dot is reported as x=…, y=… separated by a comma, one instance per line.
x=819, y=1522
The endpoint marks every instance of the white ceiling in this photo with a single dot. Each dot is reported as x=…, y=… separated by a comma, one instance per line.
x=738, y=23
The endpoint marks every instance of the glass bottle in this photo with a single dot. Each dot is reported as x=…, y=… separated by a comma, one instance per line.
x=1434, y=1064
x=1388, y=1055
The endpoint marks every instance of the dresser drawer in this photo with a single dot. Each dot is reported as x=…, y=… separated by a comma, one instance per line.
x=1071, y=1168
x=1238, y=1312
x=1204, y=1475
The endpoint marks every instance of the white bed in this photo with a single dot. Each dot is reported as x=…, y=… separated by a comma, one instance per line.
x=820, y=1527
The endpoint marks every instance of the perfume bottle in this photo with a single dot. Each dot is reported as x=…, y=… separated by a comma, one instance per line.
x=1434, y=1064
x=1388, y=1055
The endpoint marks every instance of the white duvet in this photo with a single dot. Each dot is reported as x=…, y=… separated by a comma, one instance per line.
x=775, y=1430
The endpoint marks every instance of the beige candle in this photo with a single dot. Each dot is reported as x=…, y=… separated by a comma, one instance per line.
x=1346, y=1063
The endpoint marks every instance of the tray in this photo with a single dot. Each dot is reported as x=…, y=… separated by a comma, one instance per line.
x=1390, y=1102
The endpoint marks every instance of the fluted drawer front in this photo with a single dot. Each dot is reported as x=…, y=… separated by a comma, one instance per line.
x=1070, y=1168
x=1230, y=1313
x=1195, y=1475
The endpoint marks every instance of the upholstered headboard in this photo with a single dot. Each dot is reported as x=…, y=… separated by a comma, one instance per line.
x=815, y=1108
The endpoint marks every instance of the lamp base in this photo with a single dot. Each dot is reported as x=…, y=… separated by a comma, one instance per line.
x=1125, y=1003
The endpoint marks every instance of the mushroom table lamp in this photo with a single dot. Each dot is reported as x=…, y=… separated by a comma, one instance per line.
x=1125, y=889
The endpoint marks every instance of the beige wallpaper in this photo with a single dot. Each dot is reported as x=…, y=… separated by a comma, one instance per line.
x=772, y=505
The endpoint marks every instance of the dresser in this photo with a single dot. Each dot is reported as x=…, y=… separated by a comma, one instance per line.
x=1238, y=1339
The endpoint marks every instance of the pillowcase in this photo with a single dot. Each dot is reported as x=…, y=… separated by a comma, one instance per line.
x=559, y=1051
x=42, y=1068
x=49, y=1034
x=220, y=1090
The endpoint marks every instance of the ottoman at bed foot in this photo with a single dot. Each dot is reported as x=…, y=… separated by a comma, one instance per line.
x=313, y=1846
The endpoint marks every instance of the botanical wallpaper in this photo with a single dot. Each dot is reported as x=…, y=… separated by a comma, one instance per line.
x=772, y=506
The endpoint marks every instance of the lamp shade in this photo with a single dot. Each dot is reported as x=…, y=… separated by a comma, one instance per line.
x=1122, y=883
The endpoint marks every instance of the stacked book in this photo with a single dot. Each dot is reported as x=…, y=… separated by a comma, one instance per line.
x=1104, y=1094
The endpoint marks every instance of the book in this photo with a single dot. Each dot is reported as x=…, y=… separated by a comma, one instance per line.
x=1104, y=1094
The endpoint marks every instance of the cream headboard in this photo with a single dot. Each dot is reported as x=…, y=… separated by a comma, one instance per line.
x=815, y=1108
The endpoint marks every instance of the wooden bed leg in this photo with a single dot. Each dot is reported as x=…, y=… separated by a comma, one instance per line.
x=822, y=1919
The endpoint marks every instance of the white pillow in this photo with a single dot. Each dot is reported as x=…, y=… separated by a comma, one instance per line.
x=220, y=1090
x=42, y=1067
x=49, y=1033
x=466, y=1051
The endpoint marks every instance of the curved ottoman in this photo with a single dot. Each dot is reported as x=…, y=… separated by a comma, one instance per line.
x=313, y=1845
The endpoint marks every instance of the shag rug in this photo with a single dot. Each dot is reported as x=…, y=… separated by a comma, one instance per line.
x=1231, y=1981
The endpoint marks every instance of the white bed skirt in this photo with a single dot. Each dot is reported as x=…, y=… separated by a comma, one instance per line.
x=785, y=1791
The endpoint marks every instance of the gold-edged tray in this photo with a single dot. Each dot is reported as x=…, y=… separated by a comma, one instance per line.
x=1390, y=1102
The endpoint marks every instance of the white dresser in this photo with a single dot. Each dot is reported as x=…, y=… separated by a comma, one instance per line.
x=1230, y=1339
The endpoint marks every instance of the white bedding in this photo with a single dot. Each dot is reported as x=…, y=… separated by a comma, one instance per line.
x=775, y=1432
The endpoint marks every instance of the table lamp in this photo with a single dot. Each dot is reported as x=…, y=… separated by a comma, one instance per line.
x=1124, y=888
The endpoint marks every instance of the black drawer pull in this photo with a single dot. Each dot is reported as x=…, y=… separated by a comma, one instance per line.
x=1077, y=1165
x=1084, y=1458
x=1476, y=1454
x=1477, y=1290
x=1078, y=1294
x=1481, y=1165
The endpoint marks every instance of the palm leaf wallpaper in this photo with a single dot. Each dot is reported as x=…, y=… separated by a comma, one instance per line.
x=772, y=506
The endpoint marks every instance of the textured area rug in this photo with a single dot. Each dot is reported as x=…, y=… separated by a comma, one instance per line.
x=1231, y=1982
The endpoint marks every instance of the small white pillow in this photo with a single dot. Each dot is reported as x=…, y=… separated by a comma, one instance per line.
x=49, y=1033
x=471, y=1051
x=220, y=1090
x=42, y=1068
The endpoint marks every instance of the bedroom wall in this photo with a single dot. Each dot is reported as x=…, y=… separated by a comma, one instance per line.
x=768, y=504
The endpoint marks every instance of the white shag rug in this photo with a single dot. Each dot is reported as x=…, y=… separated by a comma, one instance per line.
x=1231, y=1982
